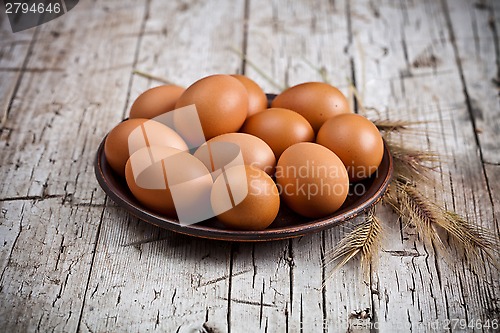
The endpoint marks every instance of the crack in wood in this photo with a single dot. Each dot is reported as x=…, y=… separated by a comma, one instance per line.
x=254, y=266
x=244, y=44
x=33, y=197
x=61, y=250
x=323, y=281
x=375, y=292
x=408, y=317
x=464, y=304
x=39, y=323
x=119, y=298
x=229, y=288
x=61, y=288
x=289, y=260
x=157, y=322
x=286, y=318
x=14, y=244
x=437, y=266
x=96, y=240
x=301, y=316
x=261, y=304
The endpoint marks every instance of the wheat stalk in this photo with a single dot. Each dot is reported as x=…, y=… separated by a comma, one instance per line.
x=475, y=242
x=364, y=240
x=395, y=125
x=414, y=207
x=413, y=164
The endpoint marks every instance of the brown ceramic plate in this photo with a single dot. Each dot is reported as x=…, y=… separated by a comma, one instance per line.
x=287, y=224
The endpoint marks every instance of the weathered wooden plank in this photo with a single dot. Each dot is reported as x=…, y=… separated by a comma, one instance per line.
x=477, y=43
x=14, y=50
x=260, y=300
x=285, y=292
x=45, y=256
x=479, y=67
x=411, y=73
x=59, y=115
x=144, y=278
x=185, y=41
x=137, y=282
x=51, y=209
x=347, y=290
x=492, y=172
x=295, y=42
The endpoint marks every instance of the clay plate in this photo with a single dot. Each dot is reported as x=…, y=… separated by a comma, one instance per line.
x=287, y=224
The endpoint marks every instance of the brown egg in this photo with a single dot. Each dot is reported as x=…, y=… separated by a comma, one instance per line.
x=156, y=101
x=155, y=196
x=222, y=105
x=170, y=182
x=254, y=150
x=316, y=101
x=312, y=180
x=279, y=128
x=257, y=100
x=357, y=142
x=242, y=202
x=133, y=134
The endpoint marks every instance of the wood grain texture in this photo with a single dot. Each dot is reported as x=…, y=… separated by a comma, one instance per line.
x=159, y=280
x=72, y=261
x=477, y=52
x=418, y=79
x=46, y=254
x=51, y=207
x=282, y=41
x=14, y=54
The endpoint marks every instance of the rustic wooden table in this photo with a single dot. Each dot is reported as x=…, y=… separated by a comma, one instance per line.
x=71, y=260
